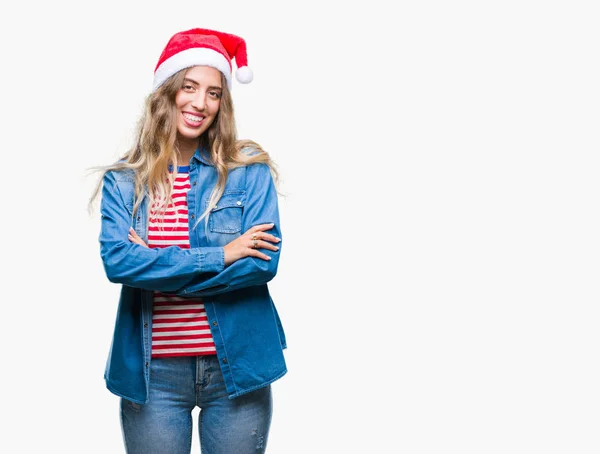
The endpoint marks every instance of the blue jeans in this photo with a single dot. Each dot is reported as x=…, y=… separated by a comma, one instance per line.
x=177, y=385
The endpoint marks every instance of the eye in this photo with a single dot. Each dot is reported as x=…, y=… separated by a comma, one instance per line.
x=187, y=87
x=215, y=94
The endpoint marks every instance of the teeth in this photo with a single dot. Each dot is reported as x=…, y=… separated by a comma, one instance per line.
x=192, y=117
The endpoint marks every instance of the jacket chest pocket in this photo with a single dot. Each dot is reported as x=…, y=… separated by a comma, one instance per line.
x=226, y=217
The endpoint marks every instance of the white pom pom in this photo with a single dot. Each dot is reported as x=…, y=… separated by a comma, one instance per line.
x=244, y=75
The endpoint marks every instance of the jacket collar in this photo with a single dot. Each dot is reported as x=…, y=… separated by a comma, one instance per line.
x=203, y=156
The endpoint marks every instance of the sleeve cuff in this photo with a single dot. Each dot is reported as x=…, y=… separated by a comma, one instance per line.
x=211, y=259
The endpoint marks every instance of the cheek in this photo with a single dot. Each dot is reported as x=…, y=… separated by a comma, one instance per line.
x=215, y=107
x=209, y=123
x=214, y=110
x=179, y=102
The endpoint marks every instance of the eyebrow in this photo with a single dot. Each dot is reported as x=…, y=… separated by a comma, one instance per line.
x=212, y=87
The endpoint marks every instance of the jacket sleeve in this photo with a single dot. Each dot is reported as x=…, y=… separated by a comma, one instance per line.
x=166, y=269
x=261, y=208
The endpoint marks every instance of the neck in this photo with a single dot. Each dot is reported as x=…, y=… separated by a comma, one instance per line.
x=186, y=149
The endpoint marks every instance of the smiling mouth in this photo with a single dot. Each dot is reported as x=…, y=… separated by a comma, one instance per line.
x=192, y=120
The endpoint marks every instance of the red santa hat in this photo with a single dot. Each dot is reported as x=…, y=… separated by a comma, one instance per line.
x=203, y=47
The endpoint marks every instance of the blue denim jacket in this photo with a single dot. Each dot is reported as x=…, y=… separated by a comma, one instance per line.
x=245, y=326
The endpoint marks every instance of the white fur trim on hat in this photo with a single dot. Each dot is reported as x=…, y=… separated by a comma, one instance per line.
x=196, y=56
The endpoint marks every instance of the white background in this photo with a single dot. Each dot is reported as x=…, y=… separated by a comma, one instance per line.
x=439, y=273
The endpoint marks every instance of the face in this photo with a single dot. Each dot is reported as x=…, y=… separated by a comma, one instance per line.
x=197, y=102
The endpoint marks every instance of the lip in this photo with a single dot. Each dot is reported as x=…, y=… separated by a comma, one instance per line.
x=190, y=123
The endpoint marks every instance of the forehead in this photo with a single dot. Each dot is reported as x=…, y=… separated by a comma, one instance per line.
x=204, y=75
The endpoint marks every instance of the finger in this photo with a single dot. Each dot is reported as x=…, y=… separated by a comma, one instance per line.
x=137, y=237
x=259, y=255
x=261, y=227
x=135, y=240
x=265, y=245
x=265, y=237
x=268, y=237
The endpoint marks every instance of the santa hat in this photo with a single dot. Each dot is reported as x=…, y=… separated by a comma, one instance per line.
x=203, y=47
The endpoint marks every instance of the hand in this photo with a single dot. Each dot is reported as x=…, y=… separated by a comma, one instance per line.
x=248, y=244
x=134, y=238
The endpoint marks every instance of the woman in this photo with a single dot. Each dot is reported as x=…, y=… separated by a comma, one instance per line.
x=190, y=228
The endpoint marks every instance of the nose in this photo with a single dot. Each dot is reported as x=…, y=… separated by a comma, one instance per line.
x=199, y=101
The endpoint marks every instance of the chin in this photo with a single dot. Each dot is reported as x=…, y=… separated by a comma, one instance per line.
x=186, y=133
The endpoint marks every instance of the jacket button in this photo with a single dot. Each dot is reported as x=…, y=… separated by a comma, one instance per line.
x=194, y=183
x=138, y=218
x=239, y=202
x=145, y=325
x=193, y=216
x=146, y=363
x=224, y=360
x=215, y=323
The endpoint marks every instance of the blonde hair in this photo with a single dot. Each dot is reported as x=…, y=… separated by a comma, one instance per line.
x=155, y=148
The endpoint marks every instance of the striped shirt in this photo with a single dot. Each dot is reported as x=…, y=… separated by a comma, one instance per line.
x=179, y=325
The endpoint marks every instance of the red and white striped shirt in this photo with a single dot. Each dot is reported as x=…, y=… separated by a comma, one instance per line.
x=179, y=325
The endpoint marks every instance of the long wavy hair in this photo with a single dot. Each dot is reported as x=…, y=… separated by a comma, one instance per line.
x=155, y=148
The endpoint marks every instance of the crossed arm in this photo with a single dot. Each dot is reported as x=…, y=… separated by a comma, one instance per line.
x=198, y=271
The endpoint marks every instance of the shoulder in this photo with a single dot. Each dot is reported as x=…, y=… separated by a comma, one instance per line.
x=249, y=174
x=250, y=151
x=257, y=163
x=259, y=178
x=121, y=181
x=120, y=175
